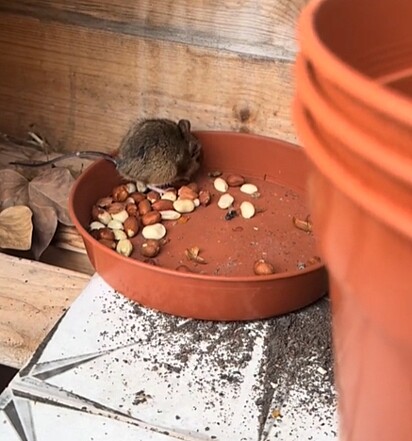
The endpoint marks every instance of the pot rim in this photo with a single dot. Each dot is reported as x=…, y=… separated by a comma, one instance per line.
x=381, y=98
x=380, y=155
x=373, y=201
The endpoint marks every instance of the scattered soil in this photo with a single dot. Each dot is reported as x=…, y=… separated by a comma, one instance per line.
x=297, y=354
x=298, y=357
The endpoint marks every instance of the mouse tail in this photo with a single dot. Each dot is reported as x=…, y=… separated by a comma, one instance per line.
x=88, y=154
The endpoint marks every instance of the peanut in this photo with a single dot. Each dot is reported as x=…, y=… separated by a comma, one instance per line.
x=120, y=193
x=144, y=207
x=247, y=210
x=152, y=217
x=220, y=185
x=162, y=205
x=249, y=189
x=150, y=248
x=184, y=205
x=124, y=247
x=263, y=268
x=155, y=231
x=235, y=180
x=225, y=201
x=131, y=226
x=121, y=216
x=170, y=215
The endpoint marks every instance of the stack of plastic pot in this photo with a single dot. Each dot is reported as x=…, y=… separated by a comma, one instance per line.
x=353, y=114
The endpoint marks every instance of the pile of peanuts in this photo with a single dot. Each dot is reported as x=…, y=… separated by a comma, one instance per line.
x=118, y=218
x=127, y=211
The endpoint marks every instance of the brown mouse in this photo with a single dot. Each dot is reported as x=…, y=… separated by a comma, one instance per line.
x=155, y=152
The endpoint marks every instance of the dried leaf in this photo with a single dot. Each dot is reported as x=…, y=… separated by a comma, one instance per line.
x=16, y=228
x=13, y=189
x=45, y=225
x=193, y=255
x=51, y=189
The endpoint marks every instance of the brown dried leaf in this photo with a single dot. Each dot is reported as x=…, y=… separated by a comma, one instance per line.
x=13, y=189
x=45, y=225
x=16, y=228
x=51, y=189
x=193, y=255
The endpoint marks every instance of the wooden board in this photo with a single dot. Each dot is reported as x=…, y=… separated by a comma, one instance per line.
x=64, y=258
x=79, y=86
x=260, y=28
x=33, y=296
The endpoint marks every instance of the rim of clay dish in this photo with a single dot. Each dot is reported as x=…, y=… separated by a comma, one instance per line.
x=375, y=95
x=225, y=279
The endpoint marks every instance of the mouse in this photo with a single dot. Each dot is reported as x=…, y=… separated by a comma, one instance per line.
x=154, y=152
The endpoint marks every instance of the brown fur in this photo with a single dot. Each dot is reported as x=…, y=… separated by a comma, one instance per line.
x=159, y=152
x=154, y=151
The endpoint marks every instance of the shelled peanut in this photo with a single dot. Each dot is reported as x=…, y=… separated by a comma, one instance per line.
x=226, y=200
x=121, y=216
x=127, y=212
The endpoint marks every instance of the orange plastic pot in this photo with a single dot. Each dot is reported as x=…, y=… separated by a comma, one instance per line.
x=371, y=162
x=353, y=48
x=369, y=266
x=206, y=296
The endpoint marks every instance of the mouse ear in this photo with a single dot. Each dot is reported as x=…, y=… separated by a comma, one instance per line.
x=195, y=147
x=184, y=126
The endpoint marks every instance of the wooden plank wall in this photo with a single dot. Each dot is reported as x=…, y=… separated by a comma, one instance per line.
x=79, y=71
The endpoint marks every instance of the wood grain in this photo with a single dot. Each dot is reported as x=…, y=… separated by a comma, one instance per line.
x=73, y=260
x=67, y=238
x=260, y=28
x=33, y=296
x=80, y=88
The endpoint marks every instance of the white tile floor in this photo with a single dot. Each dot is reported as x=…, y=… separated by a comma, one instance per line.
x=109, y=371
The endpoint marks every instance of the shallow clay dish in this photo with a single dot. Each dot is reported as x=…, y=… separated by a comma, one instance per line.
x=225, y=288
